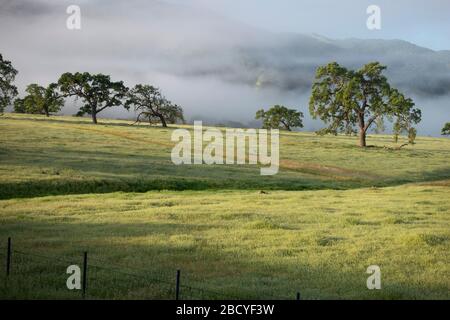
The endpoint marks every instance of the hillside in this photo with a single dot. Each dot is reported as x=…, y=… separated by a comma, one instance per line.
x=69, y=186
x=64, y=155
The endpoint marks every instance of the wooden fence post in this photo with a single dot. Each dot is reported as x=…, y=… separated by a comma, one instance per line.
x=177, y=287
x=84, y=274
x=8, y=257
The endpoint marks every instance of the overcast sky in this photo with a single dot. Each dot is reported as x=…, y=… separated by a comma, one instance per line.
x=225, y=59
x=423, y=22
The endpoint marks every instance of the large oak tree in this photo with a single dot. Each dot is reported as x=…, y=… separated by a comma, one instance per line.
x=350, y=100
x=97, y=91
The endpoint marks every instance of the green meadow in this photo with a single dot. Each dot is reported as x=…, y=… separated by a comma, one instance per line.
x=68, y=186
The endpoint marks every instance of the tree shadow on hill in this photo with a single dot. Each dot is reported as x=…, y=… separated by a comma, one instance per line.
x=26, y=189
x=425, y=176
x=38, y=188
x=101, y=122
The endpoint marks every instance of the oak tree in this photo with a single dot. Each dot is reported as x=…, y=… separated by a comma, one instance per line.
x=7, y=90
x=446, y=129
x=280, y=117
x=151, y=105
x=350, y=100
x=19, y=105
x=96, y=91
x=40, y=100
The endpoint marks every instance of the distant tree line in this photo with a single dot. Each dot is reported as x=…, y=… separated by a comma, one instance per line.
x=348, y=101
x=96, y=91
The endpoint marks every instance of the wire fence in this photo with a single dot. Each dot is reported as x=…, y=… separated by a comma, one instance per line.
x=30, y=275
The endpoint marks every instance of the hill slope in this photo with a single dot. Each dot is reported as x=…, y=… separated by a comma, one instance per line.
x=231, y=241
x=64, y=155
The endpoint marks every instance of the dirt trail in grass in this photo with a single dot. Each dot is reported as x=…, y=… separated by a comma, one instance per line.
x=310, y=168
x=439, y=183
x=328, y=171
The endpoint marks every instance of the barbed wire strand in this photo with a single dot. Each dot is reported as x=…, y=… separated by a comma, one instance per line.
x=121, y=271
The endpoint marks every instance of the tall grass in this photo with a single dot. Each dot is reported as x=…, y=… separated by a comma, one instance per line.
x=237, y=243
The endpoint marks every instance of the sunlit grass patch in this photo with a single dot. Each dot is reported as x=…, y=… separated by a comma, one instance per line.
x=235, y=242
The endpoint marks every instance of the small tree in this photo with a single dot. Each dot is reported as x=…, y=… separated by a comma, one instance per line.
x=7, y=90
x=280, y=117
x=19, y=105
x=346, y=100
x=153, y=106
x=404, y=120
x=96, y=91
x=40, y=100
x=446, y=129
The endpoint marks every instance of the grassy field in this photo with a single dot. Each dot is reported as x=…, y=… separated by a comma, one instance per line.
x=68, y=186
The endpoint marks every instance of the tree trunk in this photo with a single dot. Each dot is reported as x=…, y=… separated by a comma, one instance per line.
x=362, y=138
x=94, y=117
x=362, y=130
x=163, y=121
x=286, y=125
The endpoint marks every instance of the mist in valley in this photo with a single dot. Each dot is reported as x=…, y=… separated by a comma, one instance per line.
x=220, y=70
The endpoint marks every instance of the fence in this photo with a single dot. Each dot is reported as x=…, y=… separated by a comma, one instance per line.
x=36, y=276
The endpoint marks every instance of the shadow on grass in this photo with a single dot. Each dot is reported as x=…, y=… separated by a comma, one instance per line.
x=219, y=271
x=27, y=189
x=9, y=190
x=38, y=188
